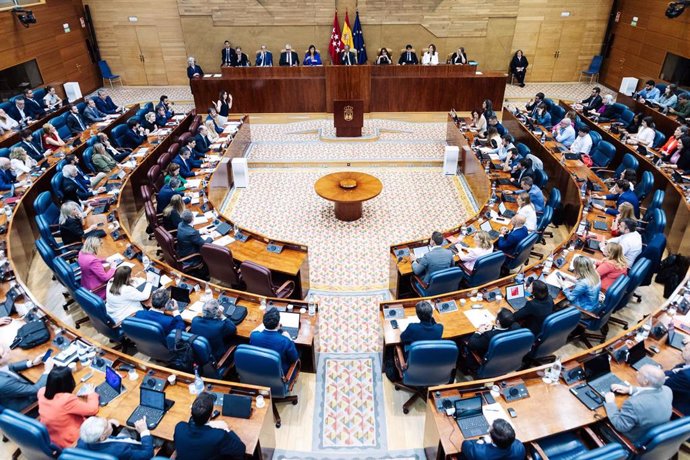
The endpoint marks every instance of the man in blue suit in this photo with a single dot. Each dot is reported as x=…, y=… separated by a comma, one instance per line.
x=202, y=437
x=622, y=193
x=74, y=121
x=31, y=149
x=134, y=136
x=189, y=240
x=536, y=196
x=17, y=393
x=19, y=112
x=509, y=240
x=167, y=106
x=105, y=103
x=264, y=58
x=503, y=445
x=678, y=380
x=214, y=327
x=184, y=159
x=96, y=435
x=33, y=107
x=161, y=301
x=166, y=193
x=425, y=329
x=202, y=144
x=438, y=258
x=273, y=338
x=7, y=177
x=92, y=114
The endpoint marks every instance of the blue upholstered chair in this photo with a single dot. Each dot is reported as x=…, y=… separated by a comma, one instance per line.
x=117, y=135
x=107, y=74
x=522, y=149
x=554, y=334
x=663, y=441
x=629, y=161
x=29, y=434
x=659, y=139
x=260, y=366
x=56, y=185
x=557, y=114
x=638, y=273
x=644, y=187
x=596, y=138
x=598, y=321
x=45, y=206
x=486, y=268
x=602, y=154
x=506, y=352
x=148, y=336
x=594, y=68
x=541, y=178
x=627, y=116
x=48, y=233
x=203, y=354
x=568, y=446
x=653, y=251
x=73, y=453
x=554, y=198
x=521, y=253
x=87, y=159
x=94, y=307
x=429, y=363
x=655, y=203
x=440, y=282
x=656, y=224
x=5, y=152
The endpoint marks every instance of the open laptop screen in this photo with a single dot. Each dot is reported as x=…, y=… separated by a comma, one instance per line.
x=468, y=407
x=486, y=226
x=289, y=319
x=152, y=398
x=597, y=366
x=113, y=379
x=515, y=291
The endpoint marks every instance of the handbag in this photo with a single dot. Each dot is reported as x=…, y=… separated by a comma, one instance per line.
x=30, y=335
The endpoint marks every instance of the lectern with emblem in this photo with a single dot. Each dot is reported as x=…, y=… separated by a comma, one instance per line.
x=348, y=117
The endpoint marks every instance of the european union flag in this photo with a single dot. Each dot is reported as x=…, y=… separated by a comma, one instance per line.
x=359, y=41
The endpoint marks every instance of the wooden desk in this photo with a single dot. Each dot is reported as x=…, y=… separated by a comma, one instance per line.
x=382, y=88
x=664, y=123
x=348, y=190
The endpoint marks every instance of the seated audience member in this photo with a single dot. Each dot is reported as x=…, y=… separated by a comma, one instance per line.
x=622, y=193
x=92, y=114
x=96, y=435
x=629, y=240
x=649, y=404
x=644, y=138
x=593, y=102
x=612, y=266
x=491, y=141
x=33, y=107
x=264, y=58
x=201, y=141
x=193, y=69
x=522, y=169
x=583, y=141
x=166, y=193
x=82, y=177
x=7, y=177
x=438, y=258
x=160, y=302
x=564, y=132
x=102, y=160
x=161, y=118
x=492, y=120
x=94, y=277
x=288, y=57
x=173, y=170
x=122, y=298
x=459, y=57
x=682, y=108
x=606, y=112
x=507, y=152
x=482, y=246
x=33, y=149
x=184, y=159
x=273, y=338
x=51, y=138
x=134, y=135
x=7, y=123
x=202, y=437
x=526, y=209
x=72, y=224
x=479, y=341
x=74, y=122
x=312, y=57
x=535, y=193
x=542, y=116
x=215, y=118
x=625, y=211
x=172, y=214
x=430, y=57
x=347, y=57
x=648, y=93
x=20, y=162
x=189, y=240
x=408, y=57
x=678, y=380
x=16, y=392
x=383, y=58
x=585, y=293
x=105, y=103
x=501, y=445
x=165, y=102
x=535, y=311
x=215, y=327
x=518, y=67
x=509, y=240
x=241, y=59
x=666, y=99
x=61, y=411
x=190, y=144
x=634, y=125
x=72, y=188
x=149, y=123
x=19, y=112
x=671, y=145
x=425, y=329
x=118, y=153
x=681, y=158
x=51, y=100
x=533, y=103
x=474, y=118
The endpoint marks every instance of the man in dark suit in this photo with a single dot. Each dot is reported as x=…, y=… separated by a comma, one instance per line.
x=160, y=302
x=532, y=105
x=214, y=327
x=193, y=69
x=288, y=57
x=31, y=149
x=408, y=57
x=186, y=163
x=105, y=103
x=438, y=258
x=33, y=107
x=537, y=309
x=19, y=113
x=96, y=435
x=273, y=338
x=503, y=445
x=521, y=170
x=166, y=193
x=189, y=240
x=7, y=177
x=16, y=392
x=241, y=59
x=479, y=341
x=509, y=240
x=161, y=117
x=202, y=437
x=264, y=58
x=594, y=101
x=347, y=57
x=72, y=188
x=134, y=136
x=227, y=55
x=74, y=121
x=678, y=380
x=425, y=329
x=92, y=114
x=201, y=141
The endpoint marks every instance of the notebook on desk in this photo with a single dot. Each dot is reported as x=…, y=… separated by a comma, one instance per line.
x=290, y=323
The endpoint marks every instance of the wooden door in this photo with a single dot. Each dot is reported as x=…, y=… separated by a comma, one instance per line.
x=542, y=65
x=134, y=72
x=152, y=55
x=567, y=56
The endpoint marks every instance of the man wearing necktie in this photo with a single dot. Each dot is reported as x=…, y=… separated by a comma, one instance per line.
x=264, y=58
x=288, y=57
x=227, y=55
x=74, y=122
x=408, y=57
x=29, y=147
x=348, y=57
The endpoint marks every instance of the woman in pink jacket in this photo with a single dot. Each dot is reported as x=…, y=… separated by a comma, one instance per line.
x=93, y=274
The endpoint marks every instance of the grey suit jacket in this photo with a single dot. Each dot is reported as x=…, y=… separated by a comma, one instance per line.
x=641, y=412
x=433, y=261
x=17, y=393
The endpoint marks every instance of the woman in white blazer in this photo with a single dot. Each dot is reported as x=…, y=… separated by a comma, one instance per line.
x=431, y=56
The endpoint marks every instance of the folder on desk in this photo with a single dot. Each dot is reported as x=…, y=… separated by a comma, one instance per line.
x=420, y=251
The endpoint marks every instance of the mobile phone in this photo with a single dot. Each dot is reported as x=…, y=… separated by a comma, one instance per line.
x=47, y=355
x=87, y=377
x=488, y=397
x=394, y=324
x=215, y=414
x=512, y=412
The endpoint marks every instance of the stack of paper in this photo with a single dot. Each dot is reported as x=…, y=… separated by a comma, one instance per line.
x=192, y=311
x=479, y=317
x=404, y=322
x=224, y=241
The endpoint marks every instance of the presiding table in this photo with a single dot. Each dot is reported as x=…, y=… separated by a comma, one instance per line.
x=348, y=190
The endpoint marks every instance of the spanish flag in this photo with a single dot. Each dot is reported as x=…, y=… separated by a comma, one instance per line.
x=347, y=34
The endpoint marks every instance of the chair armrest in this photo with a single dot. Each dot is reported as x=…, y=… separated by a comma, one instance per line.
x=399, y=357
x=593, y=437
x=69, y=255
x=292, y=374
x=98, y=288
x=622, y=439
x=419, y=280
x=225, y=357
x=285, y=285
x=586, y=312
x=190, y=256
x=76, y=245
x=537, y=448
x=29, y=408
x=463, y=268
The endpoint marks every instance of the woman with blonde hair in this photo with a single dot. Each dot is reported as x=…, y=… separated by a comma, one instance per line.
x=212, y=134
x=51, y=138
x=483, y=246
x=173, y=212
x=585, y=293
x=526, y=209
x=612, y=266
x=625, y=211
x=93, y=273
x=71, y=223
x=20, y=161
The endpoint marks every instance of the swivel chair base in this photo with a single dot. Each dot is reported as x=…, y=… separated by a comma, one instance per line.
x=276, y=416
x=416, y=394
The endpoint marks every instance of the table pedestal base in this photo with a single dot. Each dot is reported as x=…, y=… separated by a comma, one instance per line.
x=348, y=132
x=348, y=212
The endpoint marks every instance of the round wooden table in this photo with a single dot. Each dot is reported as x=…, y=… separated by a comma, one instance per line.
x=348, y=190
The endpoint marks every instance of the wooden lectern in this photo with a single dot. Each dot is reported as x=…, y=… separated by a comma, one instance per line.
x=348, y=117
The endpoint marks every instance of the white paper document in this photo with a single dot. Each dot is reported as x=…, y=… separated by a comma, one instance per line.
x=479, y=317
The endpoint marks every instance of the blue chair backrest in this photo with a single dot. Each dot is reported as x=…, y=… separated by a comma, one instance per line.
x=5, y=152
x=202, y=353
x=148, y=336
x=612, y=451
x=540, y=178
x=46, y=252
x=88, y=162
x=659, y=139
x=629, y=161
x=443, y=281
x=486, y=268
x=430, y=363
x=603, y=154
x=5, y=105
x=56, y=185
x=505, y=354
x=656, y=201
x=663, y=441
x=140, y=113
x=549, y=103
x=118, y=133
x=81, y=106
x=555, y=331
x=260, y=366
x=522, y=149
x=522, y=251
x=645, y=186
x=105, y=69
x=44, y=205
x=46, y=232
x=627, y=116
x=655, y=225
x=73, y=453
x=37, y=137
x=554, y=198
x=545, y=219
x=29, y=434
x=596, y=138
x=94, y=307
x=64, y=132
x=92, y=140
x=65, y=274
x=595, y=65
x=619, y=109
x=637, y=274
x=557, y=113
x=148, y=107
x=59, y=121
x=614, y=296
x=14, y=98
x=39, y=94
x=661, y=87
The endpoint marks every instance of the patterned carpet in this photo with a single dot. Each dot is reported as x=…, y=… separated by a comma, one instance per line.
x=416, y=454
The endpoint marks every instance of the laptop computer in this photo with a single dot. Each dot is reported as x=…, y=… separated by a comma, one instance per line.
x=486, y=226
x=598, y=374
x=509, y=197
x=181, y=295
x=111, y=388
x=676, y=339
x=505, y=212
x=152, y=405
x=515, y=296
x=223, y=228
x=470, y=418
x=599, y=225
x=637, y=357
x=7, y=307
x=238, y=406
x=504, y=181
x=420, y=251
x=290, y=323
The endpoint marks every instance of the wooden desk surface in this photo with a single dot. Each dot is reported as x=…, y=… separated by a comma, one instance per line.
x=365, y=187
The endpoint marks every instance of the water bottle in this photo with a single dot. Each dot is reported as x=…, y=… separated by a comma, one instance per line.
x=147, y=262
x=208, y=293
x=543, y=137
x=198, y=383
x=312, y=305
x=583, y=189
x=556, y=368
x=263, y=304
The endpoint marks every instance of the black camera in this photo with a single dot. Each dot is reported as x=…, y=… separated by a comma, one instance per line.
x=675, y=9
x=25, y=17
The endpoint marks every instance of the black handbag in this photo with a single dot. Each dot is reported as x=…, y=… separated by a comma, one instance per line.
x=31, y=335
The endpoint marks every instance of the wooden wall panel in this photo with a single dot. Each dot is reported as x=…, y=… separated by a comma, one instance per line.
x=57, y=53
